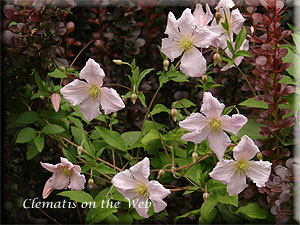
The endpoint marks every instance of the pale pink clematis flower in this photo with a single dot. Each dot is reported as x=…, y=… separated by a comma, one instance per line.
x=184, y=38
x=239, y=59
x=235, y=22
x=55, y=99
x=65, y=175
x=233, y=172
x=90, y=95
x=133, y=183
x=211, y=125
x=201, y=18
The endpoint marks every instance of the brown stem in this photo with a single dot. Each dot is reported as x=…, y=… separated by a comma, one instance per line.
x=49, y=216
x=118, y=85
x=80, y=52
x=78, y=211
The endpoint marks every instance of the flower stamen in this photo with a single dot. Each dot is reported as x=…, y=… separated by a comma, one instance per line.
x=215, y=124
x=66, y=171
x=185, y=43
x=242, y=166
x=94, y=91
x=142, y=191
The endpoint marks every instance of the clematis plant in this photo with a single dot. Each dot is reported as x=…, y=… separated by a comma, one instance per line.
x=233, y=172
x=211, y=125
x=184, y=37
x=133, y=183
x=91, y=94
x=65, y=175
x=201, y=18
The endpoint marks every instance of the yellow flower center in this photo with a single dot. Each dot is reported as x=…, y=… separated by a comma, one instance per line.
x=94, y=91
x=142, y=191
x=185, y=43
x=66, y=171
x=242, y=166
x=215, y=124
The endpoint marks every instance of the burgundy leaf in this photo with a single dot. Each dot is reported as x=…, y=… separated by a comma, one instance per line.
x=288, y=90
x=268, y=153
x=261, y=60
x=285, y=34
x=11, y=12
x=288, y=122
x=283, y=101
x=285, y=66
x=284, y=112
x=282, y=52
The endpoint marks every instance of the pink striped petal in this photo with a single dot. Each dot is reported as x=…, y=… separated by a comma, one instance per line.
x=233, y=124
x=245, y=150
x=172, y=27
x=47, y=190
x=110, y=100
x=211, y=106
x=193, y=64
x=223, y=171
x=141, y=171
x=90, y=108
x=157, y=194
x=218, y=142
x=75, y=92
x=259, y=172
x=141, y=206
x=125, y=183
x=55, y=100
x=170, y=48
x=196, y=137
x=77, y=181
x=59, y=181
x=195, y=122
x=92, y=73
x=237, y=184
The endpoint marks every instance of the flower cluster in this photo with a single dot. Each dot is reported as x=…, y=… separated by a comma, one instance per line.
x=191, y=31
x=211, y=126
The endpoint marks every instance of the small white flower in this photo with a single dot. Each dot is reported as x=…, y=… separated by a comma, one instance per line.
x=201, y=18
x=233, y=172
x=90, y=95
x=133, y=183
x=211, y=125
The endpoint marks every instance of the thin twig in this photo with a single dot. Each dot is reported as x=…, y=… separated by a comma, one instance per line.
x=78, y=212
x=80, y=52
x=245, y=79
x=49, y=216
x=117, y=85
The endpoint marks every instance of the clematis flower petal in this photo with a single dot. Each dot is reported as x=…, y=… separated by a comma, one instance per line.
x=211, y=106
x=259, y=172
x=233, y=124
x=223, y=171
x=47, y=190
x=203, y=37
x=225, y=4
x=196, y=137
x=110, y=100
x=170, y=48
x=195, y=122
x=125, y=183
x=237, y=21
x=218, y=142
x=193, y=63
x=77, y=181
x=172, y=27
x=55, y=100
x=237, y=184
x=245, y=150
x=92, y=73
x=50, y=167
x=90, y=108
x=141, y=207
x=75, y=92
x=157, y=193
x=186, y=23
x=66, y=162
x=59, y=181
x=201, y=18
x=141, y=171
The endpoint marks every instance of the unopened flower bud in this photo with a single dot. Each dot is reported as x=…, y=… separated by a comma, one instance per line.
x=173, y=169
x=160, y=173
x=55, y=100
x=218, y=16
x=79, y=150
x=195, y=157
x=124, y=99
x=62, y=68
x=166, y=64
x=252, y=30
x=204, y=78
x=217, y=58
x=118, y=61
x=174, y=114
x=133, y=98
x=205, y=197
x=259, y=156
x=91, y=182
x=114, y=115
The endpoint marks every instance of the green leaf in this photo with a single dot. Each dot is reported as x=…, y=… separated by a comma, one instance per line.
x=52, y=129
x=240, y=38
x=225, y=26
x=12, y=23
x=57, y=74
x=250, y=102
x=101, y=168
x=141, y=96
x=28, y=117
x=25, y=135
x=31, y=151
x=131, y=137
x=173, y=75
x=251, y=128
x=231, y=200
x=77, y=196
x=141, y=77
x=69, y=155
x=133, y=65
x=112, y=138
x=158, y=108
x=125, y=219
x=187, y=103
x=150, y=136
x=287, y=80
x=100, y=213
x=39, y=81
x=229, y=45
x=242, y=53
x=193, y=212
x=39, y=142
x=253, y=210
x=208, y=211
